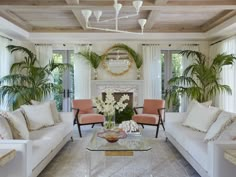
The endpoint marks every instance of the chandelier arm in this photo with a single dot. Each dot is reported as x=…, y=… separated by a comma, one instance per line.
x=114, y=30
x=121, y=17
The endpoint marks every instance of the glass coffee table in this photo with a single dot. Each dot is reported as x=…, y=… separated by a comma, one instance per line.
x=121, y=157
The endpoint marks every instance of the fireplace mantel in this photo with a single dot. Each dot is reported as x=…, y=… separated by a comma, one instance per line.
x=134, y=86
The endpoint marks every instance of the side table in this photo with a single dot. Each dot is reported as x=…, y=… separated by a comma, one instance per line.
x=6, y=155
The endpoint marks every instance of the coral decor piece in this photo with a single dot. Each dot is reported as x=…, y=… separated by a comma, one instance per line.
x=129, y=126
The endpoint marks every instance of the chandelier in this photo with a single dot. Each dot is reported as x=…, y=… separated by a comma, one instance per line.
x=117, y=6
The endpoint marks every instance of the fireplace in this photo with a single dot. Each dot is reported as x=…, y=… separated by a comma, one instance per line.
x=134, y=88
x=118, y=95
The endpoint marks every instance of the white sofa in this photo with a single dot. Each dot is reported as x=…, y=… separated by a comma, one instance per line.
x=206, y=158
x=33, y=155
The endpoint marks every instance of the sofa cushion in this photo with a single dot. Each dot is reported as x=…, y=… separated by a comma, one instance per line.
x=146, y=118
x=38, y=116
x=47, y=139
x=223, y=120
x=201, y=117
x=190, y=140
x=53, y=107
x=5, y=130
x=18, y=124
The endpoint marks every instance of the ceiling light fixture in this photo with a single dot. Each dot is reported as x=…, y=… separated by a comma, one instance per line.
x=117, y=6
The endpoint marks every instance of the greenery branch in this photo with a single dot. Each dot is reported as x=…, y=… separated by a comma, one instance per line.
x=93, y=58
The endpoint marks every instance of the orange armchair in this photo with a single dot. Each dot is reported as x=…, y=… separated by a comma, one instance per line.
x=153, y=114
x=84, y=114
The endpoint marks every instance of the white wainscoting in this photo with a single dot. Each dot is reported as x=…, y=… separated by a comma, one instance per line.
x=134, y=86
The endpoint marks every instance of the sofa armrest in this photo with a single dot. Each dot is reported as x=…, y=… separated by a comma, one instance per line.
x=218, y=165
x=20, y=166
x=67, y=116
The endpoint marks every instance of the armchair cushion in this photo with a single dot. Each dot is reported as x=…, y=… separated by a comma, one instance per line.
x=85, y=106
x=90, y=118
x=146, y=118
x=150, y=106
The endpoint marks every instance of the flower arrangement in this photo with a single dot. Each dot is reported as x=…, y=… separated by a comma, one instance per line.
x=110, y=105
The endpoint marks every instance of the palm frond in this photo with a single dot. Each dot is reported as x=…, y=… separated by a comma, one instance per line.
x=198, y=56
x=31, y=55
x=93, y=58
x=60, y=66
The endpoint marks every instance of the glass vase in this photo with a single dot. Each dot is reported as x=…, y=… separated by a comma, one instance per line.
x=138, y=74
x=110, y=122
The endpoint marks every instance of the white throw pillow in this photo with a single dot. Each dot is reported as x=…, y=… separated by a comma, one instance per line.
x=222, y=121
x=5, y=130
x=53, y=106
x=18, y=124
x=38, y=116
x=201, y=117
x=192, y=103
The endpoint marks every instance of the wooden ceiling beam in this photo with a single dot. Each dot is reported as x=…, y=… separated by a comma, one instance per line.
x=223, y=16
x=188, y=6
x=154, y=14
x=77, y=13
x=72, y=2
x=10, y=16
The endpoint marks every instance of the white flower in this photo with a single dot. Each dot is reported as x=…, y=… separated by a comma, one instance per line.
x=109, y=105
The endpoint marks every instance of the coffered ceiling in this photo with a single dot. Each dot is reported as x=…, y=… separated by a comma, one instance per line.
x=162, y=15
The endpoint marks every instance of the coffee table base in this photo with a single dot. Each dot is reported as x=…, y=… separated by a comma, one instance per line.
x=119, y=153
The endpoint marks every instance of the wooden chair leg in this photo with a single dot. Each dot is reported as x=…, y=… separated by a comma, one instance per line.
x=79, y=130
x=157, y=130
x=74, y=122
x=92, y=125
x=162, y=124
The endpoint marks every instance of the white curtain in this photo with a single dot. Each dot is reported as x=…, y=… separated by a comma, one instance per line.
x=5, y=64
x=44, y=54
x=184, y=64
x=82, y=74
x=152, y=71
x=225, y=100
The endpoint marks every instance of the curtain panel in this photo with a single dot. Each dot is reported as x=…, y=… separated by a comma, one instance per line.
x=44, y=54
x=228, y=74
x=184, y=100
x=152, y=71
x=82, y=73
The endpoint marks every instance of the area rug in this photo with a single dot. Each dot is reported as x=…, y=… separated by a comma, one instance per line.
x=74, y=160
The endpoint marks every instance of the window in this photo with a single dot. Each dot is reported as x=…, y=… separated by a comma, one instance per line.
x=171, y=67
x=65, y=92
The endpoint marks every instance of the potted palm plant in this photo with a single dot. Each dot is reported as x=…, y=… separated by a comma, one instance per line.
x=93, y=58
x=28, y=80
x=199, y=80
